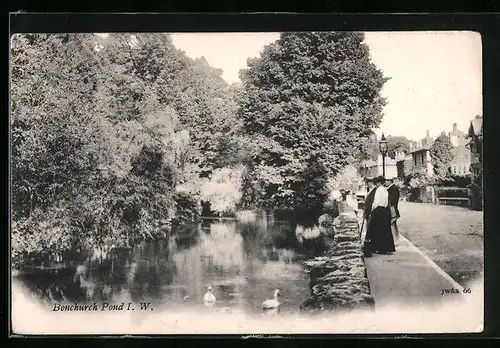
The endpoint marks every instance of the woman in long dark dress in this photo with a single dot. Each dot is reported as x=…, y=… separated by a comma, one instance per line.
x=379, y=226
x=367, y=209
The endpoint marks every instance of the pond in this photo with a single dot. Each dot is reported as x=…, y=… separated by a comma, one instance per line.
x=243, y=263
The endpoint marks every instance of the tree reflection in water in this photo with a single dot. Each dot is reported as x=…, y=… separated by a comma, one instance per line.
x=243, y=262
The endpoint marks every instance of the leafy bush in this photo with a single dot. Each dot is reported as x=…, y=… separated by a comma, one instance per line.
x=331, y=208
x=312, y=192
x=223, y=190
x=416, y=180
x=187, y=208
x=252, y=190
x=460, y=181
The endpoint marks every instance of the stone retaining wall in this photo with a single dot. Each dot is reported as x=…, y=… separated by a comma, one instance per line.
x=338, y=277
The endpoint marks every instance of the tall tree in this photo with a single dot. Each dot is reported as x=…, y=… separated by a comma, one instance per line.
x=196, y=92
x=309, y=96
x=397, y=143
x=441, y=156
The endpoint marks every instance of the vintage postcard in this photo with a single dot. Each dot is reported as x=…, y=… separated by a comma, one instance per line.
x=246, y=183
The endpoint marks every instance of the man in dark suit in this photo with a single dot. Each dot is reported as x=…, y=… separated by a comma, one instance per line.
x=393, y=191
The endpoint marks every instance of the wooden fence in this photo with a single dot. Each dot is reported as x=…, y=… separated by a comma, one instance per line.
x=452, y=196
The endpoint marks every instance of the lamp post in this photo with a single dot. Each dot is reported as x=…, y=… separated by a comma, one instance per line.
x=383, y=151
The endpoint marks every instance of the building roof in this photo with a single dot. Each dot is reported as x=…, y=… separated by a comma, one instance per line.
x=408, y=157
x=420, y=149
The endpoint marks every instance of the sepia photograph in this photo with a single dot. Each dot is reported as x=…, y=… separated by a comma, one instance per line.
x=249, y=183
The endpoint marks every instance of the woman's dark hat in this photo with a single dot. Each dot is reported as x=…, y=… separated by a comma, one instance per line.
x=380, y=179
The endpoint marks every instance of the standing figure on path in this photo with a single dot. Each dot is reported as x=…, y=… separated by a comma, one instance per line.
x=393, y=192
x=352, y=202
x=379, y=226
x=342, y=203
x=367, y=248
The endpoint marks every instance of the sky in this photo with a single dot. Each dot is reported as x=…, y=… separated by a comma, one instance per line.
x=436, y=77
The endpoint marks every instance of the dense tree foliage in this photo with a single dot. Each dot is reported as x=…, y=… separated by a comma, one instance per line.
x=116, y=139
x=369, y=149
x=441, y=156
x=104, y=131
x=395, y=143
x=308, y=102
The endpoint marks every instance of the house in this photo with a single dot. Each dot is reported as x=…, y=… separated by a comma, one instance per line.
x=404, y=164
x=475, y=145
x=421, y=156
x=373, y=169
x=461, y=154
x=422, y=162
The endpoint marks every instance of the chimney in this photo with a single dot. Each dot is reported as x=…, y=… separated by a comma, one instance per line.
x=454, y=126
x=428, y=133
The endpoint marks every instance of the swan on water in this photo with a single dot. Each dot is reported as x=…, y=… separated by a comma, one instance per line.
x=209, y=298
x=272, y=303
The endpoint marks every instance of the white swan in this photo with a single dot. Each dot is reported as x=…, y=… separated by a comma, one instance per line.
x=272, y=303
x=209, y=298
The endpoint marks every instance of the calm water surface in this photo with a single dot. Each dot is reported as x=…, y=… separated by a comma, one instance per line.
x=243, y=262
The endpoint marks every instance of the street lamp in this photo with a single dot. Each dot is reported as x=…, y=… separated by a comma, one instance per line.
x=383, y=151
